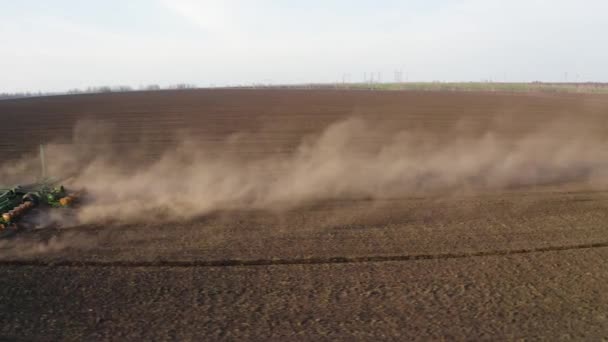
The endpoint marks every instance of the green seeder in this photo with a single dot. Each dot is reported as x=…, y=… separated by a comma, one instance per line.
x=17, y=201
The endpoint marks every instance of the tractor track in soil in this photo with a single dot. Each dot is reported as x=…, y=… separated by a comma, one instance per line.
x=296, y=261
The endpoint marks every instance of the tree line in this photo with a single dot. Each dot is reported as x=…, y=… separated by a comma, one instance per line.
x=97, y=90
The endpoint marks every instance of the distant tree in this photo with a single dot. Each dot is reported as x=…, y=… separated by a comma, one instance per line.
x=182, y=86
x=152, y=87
x=122, y=88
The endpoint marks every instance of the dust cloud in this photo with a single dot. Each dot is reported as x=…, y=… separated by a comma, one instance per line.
x=352, y=158
x=28, y=248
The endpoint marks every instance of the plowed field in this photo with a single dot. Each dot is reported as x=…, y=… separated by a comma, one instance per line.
x=439, y=215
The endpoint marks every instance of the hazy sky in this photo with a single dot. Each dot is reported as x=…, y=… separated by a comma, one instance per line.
x=63, y=44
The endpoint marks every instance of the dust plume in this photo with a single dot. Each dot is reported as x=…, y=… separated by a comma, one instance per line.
x=28, y=248
x=353, y=158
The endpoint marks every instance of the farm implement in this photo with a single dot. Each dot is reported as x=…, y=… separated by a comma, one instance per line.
x=19, y=200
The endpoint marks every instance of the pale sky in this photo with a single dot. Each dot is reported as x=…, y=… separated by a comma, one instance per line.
x=62, y=44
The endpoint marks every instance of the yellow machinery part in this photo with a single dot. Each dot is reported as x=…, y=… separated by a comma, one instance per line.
x=65, y=201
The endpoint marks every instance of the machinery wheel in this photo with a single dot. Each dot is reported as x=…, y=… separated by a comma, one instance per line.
x=30, y=197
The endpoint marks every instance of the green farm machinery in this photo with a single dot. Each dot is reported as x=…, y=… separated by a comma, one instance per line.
x=19, y=200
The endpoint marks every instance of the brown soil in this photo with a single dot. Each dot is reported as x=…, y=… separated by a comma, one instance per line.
x=499, y=264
